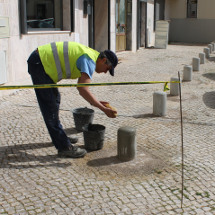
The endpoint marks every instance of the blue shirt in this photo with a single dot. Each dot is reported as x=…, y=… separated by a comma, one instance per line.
x=86, y=64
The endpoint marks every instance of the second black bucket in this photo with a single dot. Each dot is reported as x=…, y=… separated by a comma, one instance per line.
x=94, y=136
x=82, y=117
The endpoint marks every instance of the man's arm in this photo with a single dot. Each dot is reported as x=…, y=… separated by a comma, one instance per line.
x=88, y=96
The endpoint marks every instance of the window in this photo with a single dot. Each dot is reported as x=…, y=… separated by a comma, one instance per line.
x=191, y=8
x=46, y=15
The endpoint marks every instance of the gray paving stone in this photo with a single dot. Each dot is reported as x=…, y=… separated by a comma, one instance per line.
x=35, y=181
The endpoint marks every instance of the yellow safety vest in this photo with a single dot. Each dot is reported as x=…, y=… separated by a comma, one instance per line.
x=59, y=59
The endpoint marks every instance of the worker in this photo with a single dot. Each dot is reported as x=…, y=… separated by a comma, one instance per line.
x=49, y=64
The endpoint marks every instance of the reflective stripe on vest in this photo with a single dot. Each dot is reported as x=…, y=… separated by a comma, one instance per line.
x=57, y=60
x=66, y=59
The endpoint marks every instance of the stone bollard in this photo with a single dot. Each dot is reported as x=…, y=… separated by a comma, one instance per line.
x=213, y=47
x=126, y=143
x=196, y=64
x=207, y=52
x=174, y=87
x=159, y=103
x=187, y=73
x=202, y=58
x=210, y=47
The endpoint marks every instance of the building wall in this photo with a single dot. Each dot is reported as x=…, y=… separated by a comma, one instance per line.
x=18, y=47
x=206, y=9
x=191, y=30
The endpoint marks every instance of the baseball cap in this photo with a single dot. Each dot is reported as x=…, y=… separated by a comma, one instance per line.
x=111, y=56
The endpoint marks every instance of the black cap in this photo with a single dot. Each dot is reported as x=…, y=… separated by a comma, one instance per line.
x=111, y=56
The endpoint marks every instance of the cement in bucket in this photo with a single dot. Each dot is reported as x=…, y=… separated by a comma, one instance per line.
x=82, y=117
x=94, y=136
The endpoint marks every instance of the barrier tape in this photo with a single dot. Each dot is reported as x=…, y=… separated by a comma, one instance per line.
x=85, y=84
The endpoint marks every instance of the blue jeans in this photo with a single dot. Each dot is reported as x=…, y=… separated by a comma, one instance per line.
x=49, y=102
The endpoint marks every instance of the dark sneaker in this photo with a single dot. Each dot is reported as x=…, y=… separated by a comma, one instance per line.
x=72, y=152
x=73, y=139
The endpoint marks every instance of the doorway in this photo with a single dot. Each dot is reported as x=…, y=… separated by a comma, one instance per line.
x=101, y=25
x=159, y=9
x=121, y=25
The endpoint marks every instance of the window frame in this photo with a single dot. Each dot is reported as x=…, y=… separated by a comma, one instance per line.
x=189, y=15
x=23, y=20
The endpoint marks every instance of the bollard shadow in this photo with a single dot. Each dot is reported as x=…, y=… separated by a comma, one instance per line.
x=147, y=115
x=209, y=76
x=211, y=58
x=209, y=99
x=104, y=161
x=26, y=156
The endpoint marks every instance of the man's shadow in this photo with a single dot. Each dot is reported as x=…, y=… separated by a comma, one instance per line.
x=23, y=156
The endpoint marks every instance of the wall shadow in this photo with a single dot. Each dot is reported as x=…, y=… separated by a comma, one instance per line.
x=209, y=99
x=23, y=156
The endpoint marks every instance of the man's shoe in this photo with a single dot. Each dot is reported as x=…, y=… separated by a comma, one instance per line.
x=72, y=152
x=73, y=140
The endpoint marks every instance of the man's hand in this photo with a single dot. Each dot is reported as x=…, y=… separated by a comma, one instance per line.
x=110, y=113
x=106, y=104
x=88, y=96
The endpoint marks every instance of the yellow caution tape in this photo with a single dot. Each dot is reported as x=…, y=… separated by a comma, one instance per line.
x=40, y=86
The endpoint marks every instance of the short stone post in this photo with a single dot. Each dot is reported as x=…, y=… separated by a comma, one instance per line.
x=187, y=73
x=126, y=143
x=196, y=64
x=174, y=87
x=210, y=47
x=159, y=103
x=202, y=58
x=213, y=47
x=207, y=52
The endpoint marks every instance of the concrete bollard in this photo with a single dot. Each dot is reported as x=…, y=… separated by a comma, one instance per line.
x=159, y=103
x=207, y=52
x=187, y=73
x=126, y=143
x=213, y=47
x=174, y=87
x=196, y=64
x=202, y=58
x=210, y=47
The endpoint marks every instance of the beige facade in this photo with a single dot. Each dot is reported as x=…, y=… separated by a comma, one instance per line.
x=175, y=9
x=185, y=28
x=178, y=9
x=206, y=9
x=15, y=47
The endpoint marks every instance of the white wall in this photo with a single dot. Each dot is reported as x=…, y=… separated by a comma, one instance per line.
x=150, y=25
x=18, y=47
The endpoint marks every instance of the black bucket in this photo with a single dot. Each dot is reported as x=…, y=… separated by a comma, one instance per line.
x=82, y=117
x=94, y=136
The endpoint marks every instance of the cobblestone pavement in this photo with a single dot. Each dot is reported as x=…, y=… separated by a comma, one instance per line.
x=35, y=181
